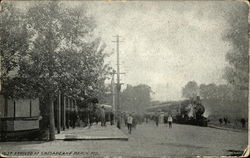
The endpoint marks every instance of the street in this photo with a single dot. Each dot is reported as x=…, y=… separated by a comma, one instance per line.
x=145, y=140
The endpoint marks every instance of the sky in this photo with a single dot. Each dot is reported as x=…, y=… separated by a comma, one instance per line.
x=165, y=43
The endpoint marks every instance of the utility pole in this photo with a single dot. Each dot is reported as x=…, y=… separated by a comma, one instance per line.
x=113, y=90
x=118, y=85
x=114, y=93
x=1, y=72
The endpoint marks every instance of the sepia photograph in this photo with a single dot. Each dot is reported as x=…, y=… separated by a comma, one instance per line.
x=124, y=78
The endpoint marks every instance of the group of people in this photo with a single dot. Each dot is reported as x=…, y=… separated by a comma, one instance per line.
x=98, y=115
x=226, y=121
x=104, y=116
x=169, y=120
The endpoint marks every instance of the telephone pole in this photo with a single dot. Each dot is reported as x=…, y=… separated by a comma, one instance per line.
x=118, y=85
x=113, y=90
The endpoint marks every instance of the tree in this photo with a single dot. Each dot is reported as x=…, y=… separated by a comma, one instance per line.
x=204, y=91
x=224, y=92
x=212, y=91
x=13, y=37
x=237, y=34
x=136, y=98
x=220, y=92
x=190, y=90
x=61, y=55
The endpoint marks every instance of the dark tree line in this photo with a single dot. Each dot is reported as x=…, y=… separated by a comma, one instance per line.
x=220, y=92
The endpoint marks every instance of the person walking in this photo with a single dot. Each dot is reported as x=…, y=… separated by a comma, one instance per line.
x=126, y=119
x=129, y=123
x=170, y=120
x=221, y=121
x=102, y=111
x=156, y=120
x=74, y=119
x=134, y=123
x=243, y=122
x=112, y=117
x=225, y=120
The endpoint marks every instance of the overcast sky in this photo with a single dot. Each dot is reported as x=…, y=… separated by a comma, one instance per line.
x=166, y=43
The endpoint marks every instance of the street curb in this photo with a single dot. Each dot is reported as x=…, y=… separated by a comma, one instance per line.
x=111, y=133
x=74, y=139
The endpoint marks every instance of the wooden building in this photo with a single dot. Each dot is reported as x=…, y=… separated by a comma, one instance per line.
x=21, y=118
x=17, y=116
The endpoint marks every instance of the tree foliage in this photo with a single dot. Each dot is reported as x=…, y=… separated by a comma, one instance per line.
x=190, y=90
x=57, y=51
x=14, y=38
x=136, y=98
x=221, y=92
x=213, y=91
x=51, y=48
x=237, y=35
